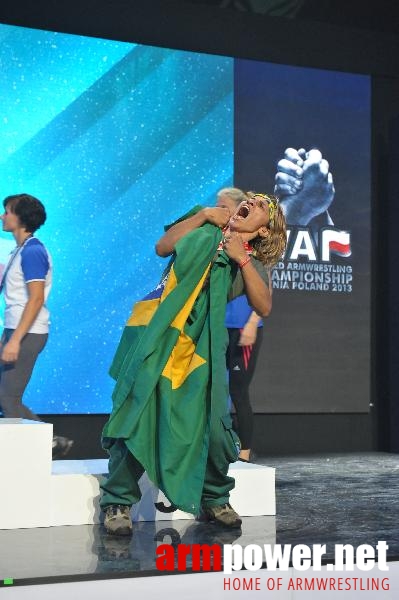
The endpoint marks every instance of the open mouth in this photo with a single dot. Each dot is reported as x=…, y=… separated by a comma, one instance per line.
x=243, y=212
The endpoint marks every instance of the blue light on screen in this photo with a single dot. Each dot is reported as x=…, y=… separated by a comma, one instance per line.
x=116, y=139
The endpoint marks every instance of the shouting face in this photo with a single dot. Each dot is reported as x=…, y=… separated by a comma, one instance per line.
x=251, y=217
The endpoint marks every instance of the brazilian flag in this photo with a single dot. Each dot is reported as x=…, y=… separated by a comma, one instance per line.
x=170, y=369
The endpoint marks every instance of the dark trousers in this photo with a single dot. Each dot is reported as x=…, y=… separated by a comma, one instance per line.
x=241, y=363
x=14, y=377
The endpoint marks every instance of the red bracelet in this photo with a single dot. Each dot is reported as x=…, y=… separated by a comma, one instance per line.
x=244, y=262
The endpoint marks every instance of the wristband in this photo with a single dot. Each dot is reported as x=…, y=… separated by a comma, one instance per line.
x=244, y=262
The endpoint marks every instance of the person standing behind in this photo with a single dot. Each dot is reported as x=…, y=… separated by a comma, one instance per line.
x=245, y=329
x=26, y=284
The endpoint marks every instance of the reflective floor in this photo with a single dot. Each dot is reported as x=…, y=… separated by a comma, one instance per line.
x=348, y=499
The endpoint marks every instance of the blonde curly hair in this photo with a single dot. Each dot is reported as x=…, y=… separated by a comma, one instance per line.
x=270, y=248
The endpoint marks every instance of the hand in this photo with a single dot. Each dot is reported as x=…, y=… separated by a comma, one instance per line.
x=218, y=215
x=234, y=246
x=304, y=185
x=10, y=351
x=248, y=334
x=289, y=176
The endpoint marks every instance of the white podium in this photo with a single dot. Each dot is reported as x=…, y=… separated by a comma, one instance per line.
x=25, y=473
x=39, y=492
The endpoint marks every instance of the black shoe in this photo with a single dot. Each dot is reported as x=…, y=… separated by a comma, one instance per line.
x=61, y=446
x=117, y=520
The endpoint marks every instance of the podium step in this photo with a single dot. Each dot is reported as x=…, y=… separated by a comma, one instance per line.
x=44, y=493
x=25, y=473
x=76, y=485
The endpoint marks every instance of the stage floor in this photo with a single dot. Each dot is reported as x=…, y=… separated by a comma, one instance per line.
x=334, y=499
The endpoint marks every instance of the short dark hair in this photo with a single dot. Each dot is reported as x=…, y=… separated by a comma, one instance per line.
x=28, y=209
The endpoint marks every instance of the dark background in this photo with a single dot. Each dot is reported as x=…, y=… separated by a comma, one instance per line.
x=358, y=38
x=315, y=354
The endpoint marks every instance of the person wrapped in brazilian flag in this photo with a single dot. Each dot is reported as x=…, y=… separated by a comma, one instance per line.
x=170, y=413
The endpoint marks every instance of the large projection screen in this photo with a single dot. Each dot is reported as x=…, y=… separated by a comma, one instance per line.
x=118, y=139
x=315, y=355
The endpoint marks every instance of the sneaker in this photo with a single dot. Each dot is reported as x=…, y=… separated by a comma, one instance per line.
x=223, y=514
x=61, y=446
x=117, y=520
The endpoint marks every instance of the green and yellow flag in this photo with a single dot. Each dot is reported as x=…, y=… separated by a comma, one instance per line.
x=170, y=369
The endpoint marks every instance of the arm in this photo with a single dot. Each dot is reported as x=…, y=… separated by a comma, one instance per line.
x=166, y=244
x=10, y=351
x=250, y=330
x=256, y=290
